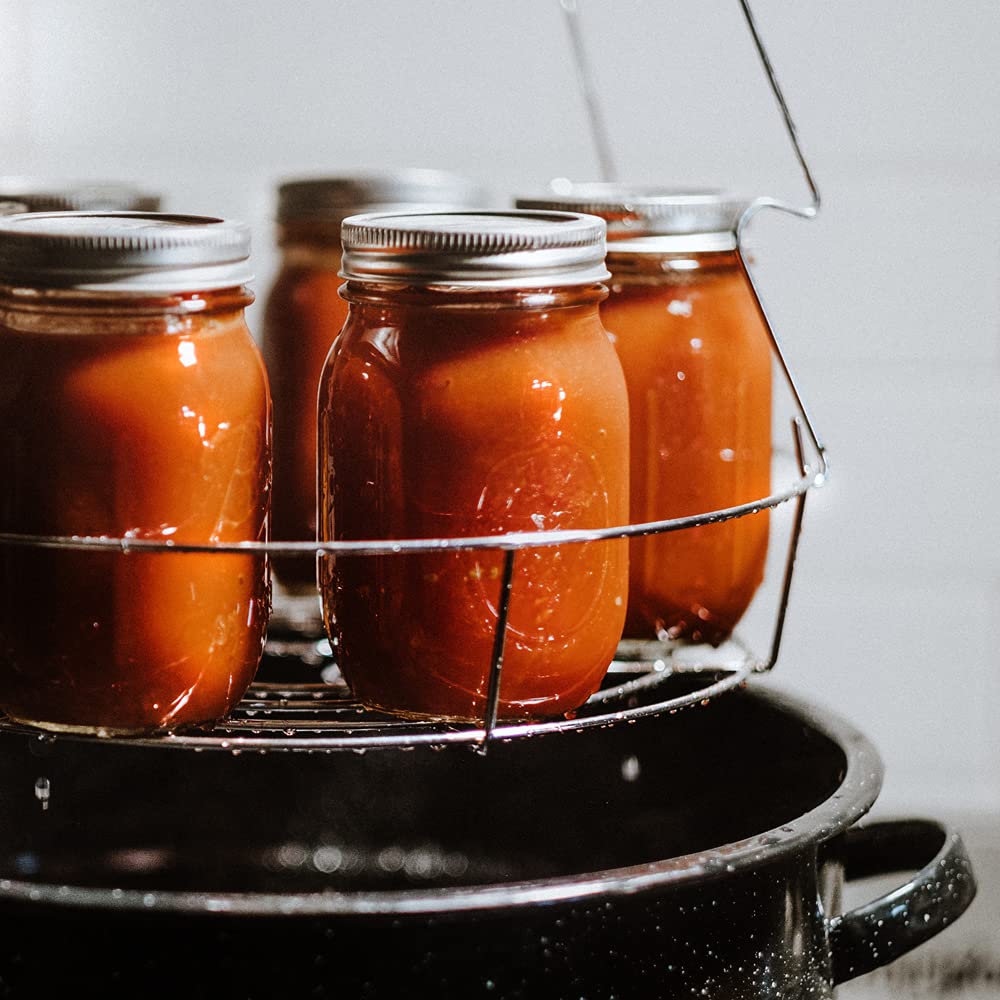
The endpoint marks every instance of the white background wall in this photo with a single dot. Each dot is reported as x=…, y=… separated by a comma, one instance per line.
x=888, y=305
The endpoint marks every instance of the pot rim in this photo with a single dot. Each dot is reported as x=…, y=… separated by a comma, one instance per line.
x=853, y=797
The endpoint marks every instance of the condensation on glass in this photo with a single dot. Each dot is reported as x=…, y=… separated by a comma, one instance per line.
x=473, y=391
x=133, y=404
x=304, y=313
x=697, y=361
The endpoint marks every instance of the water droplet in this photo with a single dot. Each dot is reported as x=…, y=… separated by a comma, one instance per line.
x=292, y=855
x=631, y=769
x=43, y=790
x=328, y=859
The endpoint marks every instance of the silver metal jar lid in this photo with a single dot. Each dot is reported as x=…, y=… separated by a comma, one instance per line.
x=332, y=199
x=475, y=249
x=124, y=251
x=48, y=195
x=651, y=219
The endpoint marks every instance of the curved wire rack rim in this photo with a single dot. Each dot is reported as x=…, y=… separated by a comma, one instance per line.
x=317, y=738
x=511, y=540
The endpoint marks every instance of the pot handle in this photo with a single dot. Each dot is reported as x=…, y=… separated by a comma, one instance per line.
x=888, y=927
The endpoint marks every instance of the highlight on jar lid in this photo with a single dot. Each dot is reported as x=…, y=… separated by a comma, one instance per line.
x=332, y=199
x=513, y=249
x=688, y=220
x=41, y=194
x=124, y=251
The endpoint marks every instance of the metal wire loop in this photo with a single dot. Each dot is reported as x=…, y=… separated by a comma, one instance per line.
x=380, y=547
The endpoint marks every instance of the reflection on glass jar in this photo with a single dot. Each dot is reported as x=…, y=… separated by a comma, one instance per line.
x=303, y=315
x=133, y=403
x=473, y=391
x=698, y=366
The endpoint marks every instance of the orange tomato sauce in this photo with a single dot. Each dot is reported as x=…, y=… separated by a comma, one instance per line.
x=697, y=364
x=460, y=414
x=136, y=418
x=303, y=315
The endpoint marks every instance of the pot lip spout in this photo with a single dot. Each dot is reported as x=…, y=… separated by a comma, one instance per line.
x=855, y=794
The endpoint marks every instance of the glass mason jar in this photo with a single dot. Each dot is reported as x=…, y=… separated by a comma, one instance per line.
x=133, y=404
x=473, y=391
x=697, y=362
x=41, y=194
x=303, y=315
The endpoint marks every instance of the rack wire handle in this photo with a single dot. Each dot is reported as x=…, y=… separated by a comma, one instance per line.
x=599, y=135
x=808, y=211
x=793, y=548
x=588, y=91
x=822, y=464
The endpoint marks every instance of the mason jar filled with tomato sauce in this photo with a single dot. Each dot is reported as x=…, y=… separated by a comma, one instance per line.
x=304, y=313
x=697, y=362
x=472, y=392
x=133, y=405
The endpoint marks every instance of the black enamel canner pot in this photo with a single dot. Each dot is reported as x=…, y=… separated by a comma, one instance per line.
x=700, y=854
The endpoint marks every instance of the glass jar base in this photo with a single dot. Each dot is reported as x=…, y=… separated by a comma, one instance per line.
x=72, y=729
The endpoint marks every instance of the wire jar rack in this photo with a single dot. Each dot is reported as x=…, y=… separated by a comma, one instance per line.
x=646, y=677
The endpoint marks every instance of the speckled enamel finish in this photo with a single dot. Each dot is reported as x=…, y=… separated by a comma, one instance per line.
x=699, y=855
